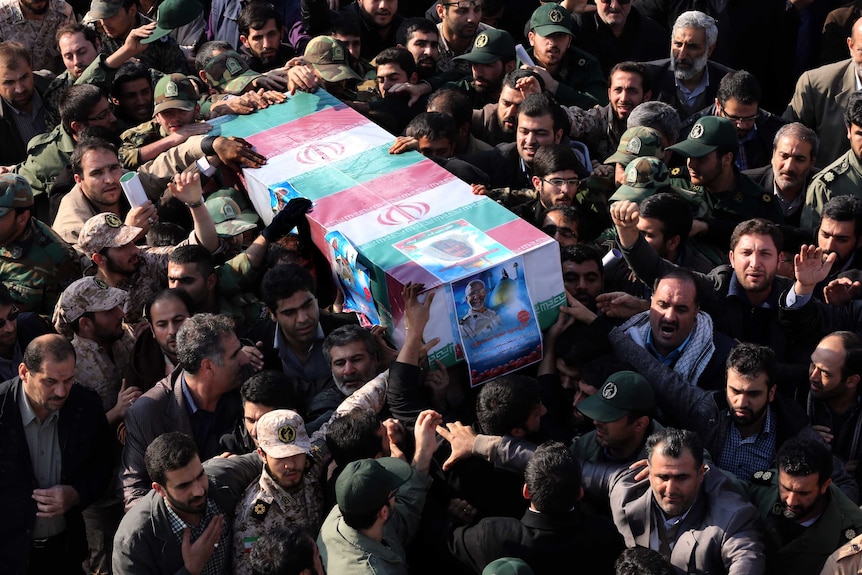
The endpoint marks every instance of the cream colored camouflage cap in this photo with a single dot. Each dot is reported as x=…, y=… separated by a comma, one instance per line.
x=89, y=294
x=105, y=230
x=281, y=433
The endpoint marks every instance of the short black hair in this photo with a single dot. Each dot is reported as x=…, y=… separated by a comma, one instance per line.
x=85, y=145
x=353, y=436
x=412, y=25
x=803, y=456
x=543, y=104
x=347, y=334
x=505, y=403
x=751, y=361
x=757, y=227
x=194, y=254
x=452, y=102
x=674, y=442
x=853, y=111
x=672, y=211
x=168, y=452
x=431, y=125
x=282, y=281
x=643, y=561
x=128, y=72
x=88, y=32
x=740, y=85
x=631, y=67
x=680, y=274
x=256, y=15
x=165, y=295
x=555, y=158
x=77, y=104
x=400, y=56
x=580, y=253
x=845, y=208
x=284, y=550
x=511, y=78
x=271, y=388
x=53, y=346
x=852, y=344
x=553, y=478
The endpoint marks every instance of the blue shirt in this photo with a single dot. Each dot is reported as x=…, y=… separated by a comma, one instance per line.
x=743, y=456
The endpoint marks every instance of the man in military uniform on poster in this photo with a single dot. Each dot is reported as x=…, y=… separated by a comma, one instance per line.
x=479, y=321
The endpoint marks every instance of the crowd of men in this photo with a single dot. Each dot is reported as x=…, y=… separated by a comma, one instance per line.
x=183, y=391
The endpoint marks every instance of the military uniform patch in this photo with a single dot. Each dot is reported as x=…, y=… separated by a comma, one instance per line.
x=481, y=40
x=696, y=132
x=829, y=177
x=337, y=53
x=767, y=198
x=113, y=221
x=171, y=90
x=286, y=434
x=260, y=509
x=609, y=391
x=849, y=534
x=675, y=171
x=227, y=211
x=233, y=66
x=634, y=145
x=100, y=282
x=555, y=16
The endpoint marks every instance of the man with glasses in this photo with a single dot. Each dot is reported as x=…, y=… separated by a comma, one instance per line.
x=562, y=223
x=738, y=100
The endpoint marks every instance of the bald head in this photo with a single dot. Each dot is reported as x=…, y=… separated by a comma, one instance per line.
x=854, y=43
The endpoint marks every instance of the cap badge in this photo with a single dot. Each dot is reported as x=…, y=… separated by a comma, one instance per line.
x=609, y=391
x=286, y=434
x=481, y=40
x=171, y=90
x=113, y=221
x=227, y=211
x=696, y=132
x=634, y=145
x=555, y=16
x=100, y=283
x=233, y=66
x=337, y=53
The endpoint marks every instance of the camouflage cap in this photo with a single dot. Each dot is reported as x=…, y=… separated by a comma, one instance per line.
x=173, y=14
x=241, y=200
x=87, y=294
x=643, y=178
x=490, y=46
x=637, y=142
x=229, y=219
x=550, y=18
x=100, y=9
x=15, y=192
x=174, y=92
x=329, y=58
x=281, y=433
x=105, y=231
x=708, y=134
x=229, y=73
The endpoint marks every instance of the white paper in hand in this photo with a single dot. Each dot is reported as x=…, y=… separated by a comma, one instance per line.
x=133, y=189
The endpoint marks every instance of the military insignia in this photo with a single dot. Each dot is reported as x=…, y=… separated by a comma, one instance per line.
x=758, y=474
x=171, y=90
x=737, y=197
x=582, y=62
x=227, y=211
x=233, y=66
x=555, y=16
x=609, y=391
x=767, y=475
x=762, y=477
x=337, y=52
x=260, y=509
x=113, y=221
x=675, y=171
x=849, y=534
x=777, y=509
x=481, y=40
x=100, y=283
x=17, y=252
x=286, y=434
x=634, y=145
x=767, y=198
x=696, y=132
x=829, y=176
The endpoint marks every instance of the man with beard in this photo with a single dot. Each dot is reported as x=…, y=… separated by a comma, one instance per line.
x=688, y=80
x=421, y=38
x=492, y=57
x=459, y=24
x=132, y=95
x=109, y=243
x=183, y=524
x=822, y=95
x=33, y=24
x=806, y=516
x=261, y=29
x=583, y=273
x=495, y=123
x=155, y=353
x=201, y=399
x=380, y=21
x=93, y=313
x=794, y=151
x=22, y=111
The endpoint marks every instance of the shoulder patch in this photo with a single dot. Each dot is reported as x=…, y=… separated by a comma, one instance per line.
x=849, y=534
x=260, y=509
x=766, y=198
x=675, y=171
x=762, y=477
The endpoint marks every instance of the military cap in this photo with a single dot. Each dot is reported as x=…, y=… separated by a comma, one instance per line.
x=281, y=433
x=643, y=178
x=229, y=219
x=622, y=393
x=508, y=566
x=490, y=46
x=229, y=73
x=100, y=9
x=174, y=92
x=88, y=294
x=105, y=230
x=15, y=192
x=329, y=58
x=550, y=18
x=637, y=142
x=707, y=135
x=366, y=485
x=172, y=14
x=241, y=200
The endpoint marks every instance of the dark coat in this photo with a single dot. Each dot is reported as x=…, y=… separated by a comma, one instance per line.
x=664, y=86
x=641, y=40
x=86, y=447
x=14, y=149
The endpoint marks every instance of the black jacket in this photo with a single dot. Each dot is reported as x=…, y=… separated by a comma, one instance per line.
x=664, y=86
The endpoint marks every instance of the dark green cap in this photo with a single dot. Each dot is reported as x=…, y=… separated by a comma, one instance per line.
x=549, y=18
x=15, y=192
x=229, y=73
x=622, y=393
x=173, y=14
x=508, y=566
x=174, y=91
x=365, y=485
x=228, y=218
x=490, y=46
x=100, y=9
x=643, y=178
x=329, y=58
x=637, y=142
x=707, y=135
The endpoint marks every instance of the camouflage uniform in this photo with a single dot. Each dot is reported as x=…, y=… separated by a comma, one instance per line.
x=228, y=73
x=597, y=128
x=237, y=283
x=164, y=54
x=47, y=155
x=36, y=35
x=841, y=177
x=266, y=504
x=136, y=138
x=447, y=62
x=97, y=73
x=101, y=371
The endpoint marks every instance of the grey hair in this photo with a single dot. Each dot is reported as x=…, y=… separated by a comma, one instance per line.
x=659, y=116
x=697, y=19
x=799, y=131
x=199, y=338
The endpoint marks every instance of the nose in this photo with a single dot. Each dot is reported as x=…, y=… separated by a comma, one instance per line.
x=349, y=368
x=791, y=500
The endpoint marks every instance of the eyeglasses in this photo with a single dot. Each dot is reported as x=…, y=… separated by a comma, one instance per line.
x=739, y=119
x=13, y=315
x=620, y=2
x=104, y=114
x=560, y=182
x=464, y=4
x=553, y=230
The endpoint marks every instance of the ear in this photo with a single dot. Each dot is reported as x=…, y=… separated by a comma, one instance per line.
x=244, y=40
x=771, y=393
x=852, y=381
x=730, y=257
x=271, y=314
x=99, y=259
x=717, y=104
x=825, y=486
x=206, y=364
x=78, y=126
x=525, y=491
x=203, y=76
x=509, y=66
x=414, y=77
x=531, y=37
x=261, y=454
x=23, y=372
x=212, y=280
x=674, y=242
x=647, y=95
x=158, y=489
x=537, y=181
x=78, y=179
x=442, y=10
x=114, y=101
x=642, y=422
x=558, y=136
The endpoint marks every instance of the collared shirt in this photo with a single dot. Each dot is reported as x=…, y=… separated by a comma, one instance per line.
x=743, y=456
x=9, y=367
x=446, y=61
x=315, y=368
x=200, y=419
x=43, y=441
x=690, y=96
x=218, y=563
x=670, y=358
x=667, y=525
x=788, y=208
x=741, y=157
x=32, y=123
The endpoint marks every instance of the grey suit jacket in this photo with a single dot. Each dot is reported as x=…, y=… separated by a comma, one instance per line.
x=721, y=533
x=819, y=101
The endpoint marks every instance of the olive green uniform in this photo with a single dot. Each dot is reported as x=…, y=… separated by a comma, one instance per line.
x=582, y=82
x=136, y=138
x=842, y=177
x=97, y=73
x=47, y=155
